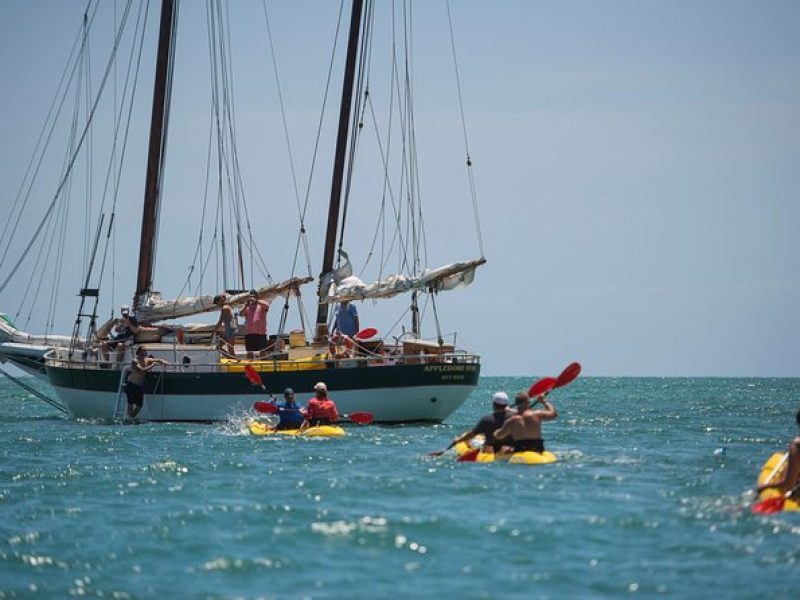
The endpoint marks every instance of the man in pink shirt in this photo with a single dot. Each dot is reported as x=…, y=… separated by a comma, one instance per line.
x=255, y=319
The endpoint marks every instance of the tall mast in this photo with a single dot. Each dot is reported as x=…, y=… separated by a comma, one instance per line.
x=158, y=140
x=338, y=166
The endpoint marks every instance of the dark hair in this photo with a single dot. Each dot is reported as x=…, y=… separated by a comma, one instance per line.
x=218, y=299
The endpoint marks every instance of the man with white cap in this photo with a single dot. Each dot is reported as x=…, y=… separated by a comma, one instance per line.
x=488, y=424
x=321, y=409
x=124, y=329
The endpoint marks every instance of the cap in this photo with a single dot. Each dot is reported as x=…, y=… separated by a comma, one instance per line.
x=319, y=386
x=288, y=392
x=124, y=309
x=253, y=293
x=500, y=398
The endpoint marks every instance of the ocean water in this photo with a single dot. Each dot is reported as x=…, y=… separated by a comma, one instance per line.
x=650, y=498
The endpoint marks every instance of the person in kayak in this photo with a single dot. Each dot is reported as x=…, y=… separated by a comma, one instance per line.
x=790, y=480
x=525, y=427
x=321, y=409
x=290, y=413
x=488, y=424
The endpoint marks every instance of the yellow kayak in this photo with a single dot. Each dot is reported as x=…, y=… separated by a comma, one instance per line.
x=515, y=458
x=773, y=469
x=257, y=427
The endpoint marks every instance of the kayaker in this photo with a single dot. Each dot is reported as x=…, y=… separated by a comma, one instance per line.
x=488, y=424
x=790, y=480
x=525, y=427
x=290, y=413
x=321, y=409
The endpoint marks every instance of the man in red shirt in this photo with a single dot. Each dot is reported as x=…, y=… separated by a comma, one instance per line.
x=255, y=319
x=321, y=409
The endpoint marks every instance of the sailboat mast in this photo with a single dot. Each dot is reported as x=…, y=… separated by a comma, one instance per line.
x=155, y=157
x=338, y=166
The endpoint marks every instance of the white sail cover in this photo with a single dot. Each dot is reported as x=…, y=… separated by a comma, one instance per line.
x=448, y=277
x=9, y=333
x=151, y=308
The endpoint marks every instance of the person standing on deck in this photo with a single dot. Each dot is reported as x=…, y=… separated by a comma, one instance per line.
x=255, y=319
x=488, y=424
x=227, y=326
x=525, y=427
x=791, y=475
x=290, y=413
x=346, y=321
x=134, y=388
x=321, y=409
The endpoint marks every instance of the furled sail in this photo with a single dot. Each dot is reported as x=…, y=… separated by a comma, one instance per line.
x=448, y=277
x=9, y=333
x=151, y=308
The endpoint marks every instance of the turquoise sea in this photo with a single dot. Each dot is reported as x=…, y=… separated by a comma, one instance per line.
x=650, y=498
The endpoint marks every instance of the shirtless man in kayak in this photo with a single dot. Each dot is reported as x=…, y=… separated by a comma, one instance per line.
x=525, y=427
x=791, y=475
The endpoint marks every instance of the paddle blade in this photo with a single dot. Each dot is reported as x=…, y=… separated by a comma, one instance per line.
x=542, y=386
x=366, y=333
x=770, y=505
x=437, y=452
x=265, y=407
x=469, y=455
x=568, y=375
x=252, y=375
x=362, y=418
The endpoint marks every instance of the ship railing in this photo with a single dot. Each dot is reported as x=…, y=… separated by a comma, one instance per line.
x=79, y=359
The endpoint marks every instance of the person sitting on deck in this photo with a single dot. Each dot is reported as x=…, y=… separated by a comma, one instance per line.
x=124, y=329
x=341, y=346
x=790, y=480
x=321, y=409
x=525, y=427
x=290, y=413
x=488, y=424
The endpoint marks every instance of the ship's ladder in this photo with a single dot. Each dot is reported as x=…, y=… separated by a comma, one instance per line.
x=120, y=406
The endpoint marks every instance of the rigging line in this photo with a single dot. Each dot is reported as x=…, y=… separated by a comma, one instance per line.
x=165, y=132
x=458, y=78
x=387, y=183
x=470, y=173
x=35, y=392
x=141, y=20
x=34, y=272
x=89, y=149
x=317, y=141
x=355, y=125
x=230, y=106
x=57, y=94
x=198, y=249
x=283, y=109
x=64, y=179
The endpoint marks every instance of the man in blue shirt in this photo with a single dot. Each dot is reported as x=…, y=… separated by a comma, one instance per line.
x=290, y=413
x=346, y=319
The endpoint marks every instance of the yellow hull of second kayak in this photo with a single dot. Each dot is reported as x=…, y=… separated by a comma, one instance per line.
x=768, y=471
x=261, y=428
x=517, y=458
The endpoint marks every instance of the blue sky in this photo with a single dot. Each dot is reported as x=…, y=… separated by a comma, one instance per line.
x=636, y=166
